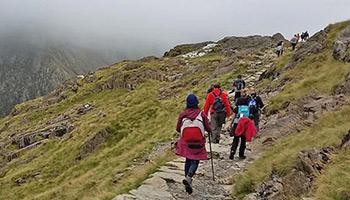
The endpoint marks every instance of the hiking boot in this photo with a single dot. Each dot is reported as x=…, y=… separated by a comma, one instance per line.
x=231, y=156
x=242, y=157
x=188, y=184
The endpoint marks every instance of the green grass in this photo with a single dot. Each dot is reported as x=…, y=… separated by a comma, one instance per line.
x=317, y=74
x=136, y=121
x=328, y=130
x=334, y=181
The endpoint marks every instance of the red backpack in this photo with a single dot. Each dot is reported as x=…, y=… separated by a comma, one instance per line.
x=192, y=130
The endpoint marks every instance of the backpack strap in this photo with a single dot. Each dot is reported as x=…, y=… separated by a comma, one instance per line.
x=217, y=95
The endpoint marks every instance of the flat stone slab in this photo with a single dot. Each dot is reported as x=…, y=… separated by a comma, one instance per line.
x=149, y=192
x=168, y=176
x=124, y=197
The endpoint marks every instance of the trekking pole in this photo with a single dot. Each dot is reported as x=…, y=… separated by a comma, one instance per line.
x=211, y=158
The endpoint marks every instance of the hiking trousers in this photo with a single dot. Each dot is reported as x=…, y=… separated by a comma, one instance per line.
x=257, y=121
x=241, y=147
x=191, y=167
x=237, y=95
x=217, y=119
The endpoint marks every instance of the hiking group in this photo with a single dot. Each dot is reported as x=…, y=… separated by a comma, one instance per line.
x=293, y=42
x=193, y=123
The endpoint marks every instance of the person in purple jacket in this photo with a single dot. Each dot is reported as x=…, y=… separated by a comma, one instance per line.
x=192, y=124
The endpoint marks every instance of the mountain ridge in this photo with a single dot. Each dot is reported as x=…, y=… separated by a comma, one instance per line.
x=107, y=131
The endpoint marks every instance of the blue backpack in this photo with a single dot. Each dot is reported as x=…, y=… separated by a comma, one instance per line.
x=243, y=110
x=252, y=103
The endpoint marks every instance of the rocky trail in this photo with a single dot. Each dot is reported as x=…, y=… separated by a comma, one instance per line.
x=166, y=183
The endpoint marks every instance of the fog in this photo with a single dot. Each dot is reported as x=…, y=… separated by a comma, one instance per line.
x=137, y=28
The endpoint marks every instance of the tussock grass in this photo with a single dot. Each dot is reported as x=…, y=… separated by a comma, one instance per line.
x=136, y=121
x=318, y=74
x=334, y=181
x=328, y=130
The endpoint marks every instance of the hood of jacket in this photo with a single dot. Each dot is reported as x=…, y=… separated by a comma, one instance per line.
x=191, y=113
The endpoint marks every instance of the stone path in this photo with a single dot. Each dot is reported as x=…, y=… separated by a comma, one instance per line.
x=166, y=183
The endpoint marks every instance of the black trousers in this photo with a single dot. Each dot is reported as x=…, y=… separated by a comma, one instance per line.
x=241, y=147
x=237, y=95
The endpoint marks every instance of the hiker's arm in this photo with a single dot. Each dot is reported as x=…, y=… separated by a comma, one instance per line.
x=206, y=122
x=227, y=105
x=260, y=102
x=179, y=123
x=207, y=105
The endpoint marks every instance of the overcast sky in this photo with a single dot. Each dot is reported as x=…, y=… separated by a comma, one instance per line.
x=153, y=26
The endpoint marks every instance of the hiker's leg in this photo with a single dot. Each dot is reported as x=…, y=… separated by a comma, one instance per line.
x=234, y=145
x=242, y=146
x=193, y=168
x=214, y=128
x=256, y=121
x=220, y=121
x=237, y=95
x=187, y=166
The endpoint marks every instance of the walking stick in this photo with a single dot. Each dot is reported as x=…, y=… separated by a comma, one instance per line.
x=211, y=157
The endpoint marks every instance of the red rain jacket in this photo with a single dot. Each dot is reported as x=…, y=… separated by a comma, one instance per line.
x=246, y=127
x=210, y=101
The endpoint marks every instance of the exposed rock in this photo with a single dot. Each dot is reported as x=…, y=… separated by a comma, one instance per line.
x=269, y=141
x=345, y=143
x=341, y=48
x=185, y=48
x=313, y=161
x=250, y=42
x=84, y=109
x=314, y=46
x=278, y=37
x=297, y=182
x=271, y=190
x=20, y=181
x=344, y=88
x=93, y=143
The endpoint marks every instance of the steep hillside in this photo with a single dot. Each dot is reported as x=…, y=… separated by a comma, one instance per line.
x=30, y=67
x=105, y=133
x=91, y=137
x=307, y=118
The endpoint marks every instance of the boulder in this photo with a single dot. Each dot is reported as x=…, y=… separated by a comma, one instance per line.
x=93, y=143
x=345, y=143
x=344, y=88
x=341, y=47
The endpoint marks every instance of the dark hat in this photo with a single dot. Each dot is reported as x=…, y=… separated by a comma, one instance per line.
x=192, y=101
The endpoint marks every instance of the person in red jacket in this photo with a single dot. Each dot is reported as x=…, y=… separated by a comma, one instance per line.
x=219, y=106
x=191, y=124
x=244, y=132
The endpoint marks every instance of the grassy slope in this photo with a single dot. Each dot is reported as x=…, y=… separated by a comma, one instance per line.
x=134, y=129
x=319, y=74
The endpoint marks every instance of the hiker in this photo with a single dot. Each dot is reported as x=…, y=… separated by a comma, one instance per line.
x=244, y=132
x=238, y=85
x=255, y=106
x=279, y=49
x=210, y=89
x=294, y=41
x=191, y=124
x=304, y=36
x=241, y=110
x=219, y=106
